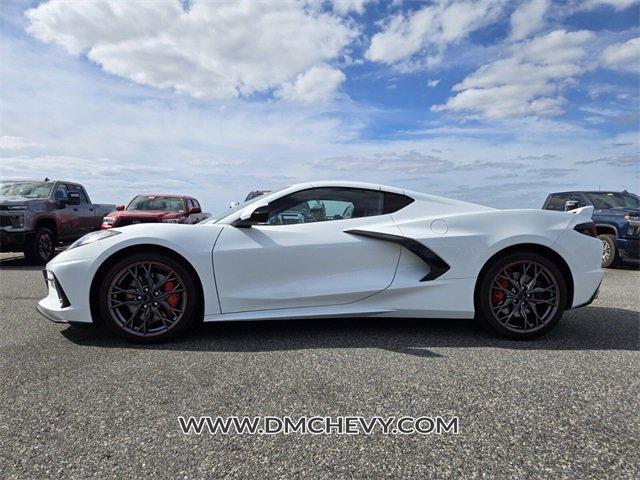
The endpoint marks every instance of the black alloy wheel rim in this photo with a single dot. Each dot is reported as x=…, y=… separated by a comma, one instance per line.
x=147, y=299
x=524, y=296
x=45, y=246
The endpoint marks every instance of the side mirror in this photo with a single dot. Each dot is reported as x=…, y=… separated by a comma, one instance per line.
x=74, y=199
x=62, y=202
x=120, y=208
x=250, y=217
x=570, y=205
x=195, y=210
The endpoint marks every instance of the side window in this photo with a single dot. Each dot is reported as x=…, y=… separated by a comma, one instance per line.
x=189, y=204
x=556, y=202
x=394, y=202
x=581, y=199
x=61, y=192
x=196, y=203
x=325, y=204
x=79, y=191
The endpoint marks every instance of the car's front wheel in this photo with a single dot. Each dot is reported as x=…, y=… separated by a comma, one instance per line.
x=149, y=297
x=42, y=247
x=521, y=296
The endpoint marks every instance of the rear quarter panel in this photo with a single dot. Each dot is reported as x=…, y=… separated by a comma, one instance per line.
x=467, y=240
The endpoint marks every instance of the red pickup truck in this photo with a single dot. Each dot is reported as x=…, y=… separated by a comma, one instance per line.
x=160, y=208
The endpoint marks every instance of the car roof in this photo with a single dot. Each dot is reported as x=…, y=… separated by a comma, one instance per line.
x=348, y=184
x=591, y=191
x=161, y=195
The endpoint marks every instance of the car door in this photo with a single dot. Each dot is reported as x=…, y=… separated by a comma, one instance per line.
x=303, y=257
x=83, y=211
x=67, y=222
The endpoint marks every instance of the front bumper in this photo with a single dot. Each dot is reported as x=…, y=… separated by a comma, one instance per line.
x=48, y=315
x=629, y=246
x=67, y=300
x=14, y=241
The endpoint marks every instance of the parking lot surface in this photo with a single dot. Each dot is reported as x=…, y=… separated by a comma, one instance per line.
x=80, y=403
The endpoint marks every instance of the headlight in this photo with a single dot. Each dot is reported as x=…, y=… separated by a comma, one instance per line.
x=17, y=221
x=108, y=220
x=172, y=220
x=93, y=237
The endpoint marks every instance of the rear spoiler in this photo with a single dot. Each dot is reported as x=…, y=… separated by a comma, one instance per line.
x=585, y=211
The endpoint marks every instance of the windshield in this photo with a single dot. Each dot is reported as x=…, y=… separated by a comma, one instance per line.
x=614, y=200
x=222, y=215
x=25, y=189
x=151, y=202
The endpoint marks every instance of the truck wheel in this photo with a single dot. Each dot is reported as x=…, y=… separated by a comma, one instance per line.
x=610, y=255
x=42, y=247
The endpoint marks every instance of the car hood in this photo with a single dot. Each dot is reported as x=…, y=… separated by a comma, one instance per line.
x=17, y=200
x=146, y=214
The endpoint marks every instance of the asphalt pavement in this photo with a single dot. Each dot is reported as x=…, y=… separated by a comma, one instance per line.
x=81, y=403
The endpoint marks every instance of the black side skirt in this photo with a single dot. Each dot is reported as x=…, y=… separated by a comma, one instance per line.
x=437, y=265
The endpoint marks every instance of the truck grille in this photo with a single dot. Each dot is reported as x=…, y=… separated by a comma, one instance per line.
x=131, y=221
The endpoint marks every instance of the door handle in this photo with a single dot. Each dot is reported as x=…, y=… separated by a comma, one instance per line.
x=75, y=209
x=91, y=209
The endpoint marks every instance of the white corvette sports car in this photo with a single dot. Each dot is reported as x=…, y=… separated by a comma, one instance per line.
x=332, y=249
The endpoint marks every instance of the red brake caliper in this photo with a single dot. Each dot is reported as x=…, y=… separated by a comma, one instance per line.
x=174, y=298
x=497, y=296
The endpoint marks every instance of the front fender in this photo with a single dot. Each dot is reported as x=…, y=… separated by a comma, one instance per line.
x=193, y=243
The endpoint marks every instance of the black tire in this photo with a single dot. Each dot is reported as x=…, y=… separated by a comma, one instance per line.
x=610, y=254
x=138, y=327
x=526, y=324
x=41, y=248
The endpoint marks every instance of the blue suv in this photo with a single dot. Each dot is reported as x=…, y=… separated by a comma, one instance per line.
x=616, y=216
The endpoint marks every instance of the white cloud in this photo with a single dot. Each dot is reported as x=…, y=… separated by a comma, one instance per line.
x=317, y=84
x=343, y=7
x=526, y=83
x=623, y=56
x=8, y=142
x=432, y=83
x=528, y=18
x=616, y=4
x=427, y=31
x=219, y=50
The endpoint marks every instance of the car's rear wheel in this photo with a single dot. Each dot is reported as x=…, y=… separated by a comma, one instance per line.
x=521, y=296
x=610, y=254
x=42, y=247
x=149, y=298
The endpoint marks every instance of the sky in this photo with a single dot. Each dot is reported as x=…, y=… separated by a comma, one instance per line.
x=491, y=101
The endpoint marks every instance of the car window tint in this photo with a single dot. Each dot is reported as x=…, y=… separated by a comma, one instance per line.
x=395, y=201
x=61, y=192
x=558, y=201
x=325, y=204
x=79, y=191
x=612, y=200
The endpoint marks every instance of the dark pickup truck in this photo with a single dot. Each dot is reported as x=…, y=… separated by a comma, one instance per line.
x=35, y=217
x=616, y=216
